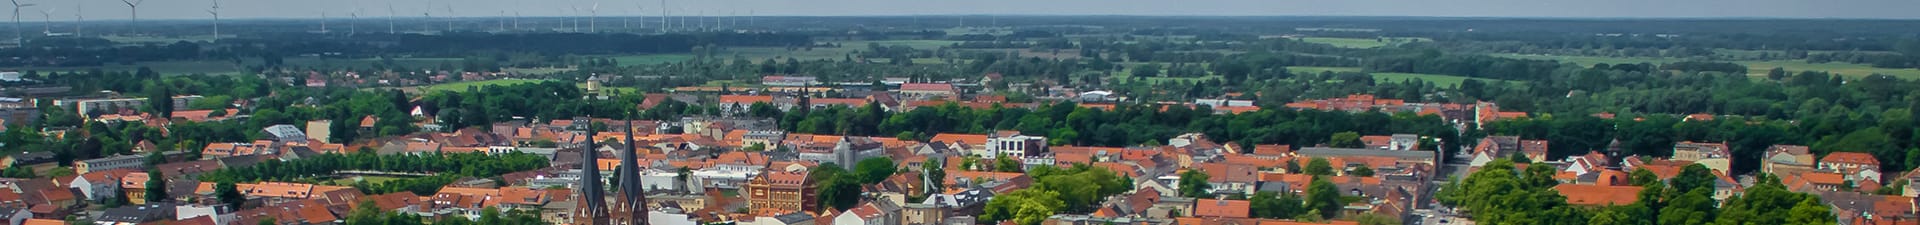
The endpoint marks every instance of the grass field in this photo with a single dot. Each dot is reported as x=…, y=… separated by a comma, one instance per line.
x=462, y=86
x=1754, y=68
x=1360, y=42
x=1441, y=80
x=1318, y=70
x=654, y=59
x=758, y=54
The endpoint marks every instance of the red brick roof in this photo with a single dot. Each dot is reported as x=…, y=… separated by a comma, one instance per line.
x=1850, y=158
x=745, y=99
x=926, y=87
x=1222, y=208
x=1581, y=194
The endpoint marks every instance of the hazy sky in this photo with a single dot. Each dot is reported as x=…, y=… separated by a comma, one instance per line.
x=196, y=9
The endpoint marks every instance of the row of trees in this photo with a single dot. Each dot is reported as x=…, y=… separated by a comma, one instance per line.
x=1077, y=189
x=1500, y=193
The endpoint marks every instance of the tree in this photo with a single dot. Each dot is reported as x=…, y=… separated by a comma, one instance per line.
x=229, y=194
x=1293, y=167
x=1267, y=204
x=1193, y=184
x=269, y=221
x=156, y=187
x=1810, y=211
x=1025, y=206
x=838, y=188
x=935, y=171
x=1319, y=167
x=1362, y=171
x=1346, y=140
x=1694, y=176
x=1324, y=197
x=119, y=199
x=874, y=170
x=160, y=99
x=1643, y=177
x=756, y=147
x=1006, y=164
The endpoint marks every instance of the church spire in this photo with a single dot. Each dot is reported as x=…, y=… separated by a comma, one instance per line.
x=632, y=196
x=593, y=203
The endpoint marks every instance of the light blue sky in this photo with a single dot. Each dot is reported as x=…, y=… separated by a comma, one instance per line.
x=196, y=9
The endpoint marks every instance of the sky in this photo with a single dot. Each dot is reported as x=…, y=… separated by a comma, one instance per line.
x=65, y=10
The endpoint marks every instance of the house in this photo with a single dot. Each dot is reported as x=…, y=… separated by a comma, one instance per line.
x=791, y=218
x=1598, y=195
x=870, y=213
x=27, y=158
x=1230, y=178
x=14, y=215
x=287, y=133
x=781, y=191
x=1786, y=159
x=1499, y=147
x=1222, y=208
x=100, y=185
x=1857, y=166
x=134, y=214
x=110, y=163
x=925, y=91
x=1715, y=156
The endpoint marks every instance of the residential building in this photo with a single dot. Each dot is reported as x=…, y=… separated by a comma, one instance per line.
x=110, y=163
x=1013, y=144
x=1783, y=159
x=1498, y=147
x=925, y=91
x=877, y=212
x=1222, y=208
x=1856, y=166
x=782, y=191
x=1715, y=156
x=320, y=130
x=88, y=107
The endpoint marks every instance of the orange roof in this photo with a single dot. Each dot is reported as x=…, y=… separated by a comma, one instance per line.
x=745, y=99
x=1272, y=150
x=44, y=222
x=1222, y=208
x=1580, y=194
x=1824, y=178
x=1376, y=140
x=970, y=139
x=1850, y=158
x=838, y=101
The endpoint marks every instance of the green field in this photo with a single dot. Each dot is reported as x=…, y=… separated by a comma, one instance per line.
x=1318, y=70
x=1360, y=42
x=1441, y=80
x=462, y=86
x=654, y=59
x=758, y=54
x=1754, y=68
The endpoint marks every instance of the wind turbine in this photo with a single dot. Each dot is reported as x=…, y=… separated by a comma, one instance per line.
x=641, y=12
x=323, y=23
x=133, y=9
x=593, y=19
x=502, y=20
x=47, y=16
x=79, y=17
x=16, y=21
x=663, y=17
x=353, y=26
x=215, y=10
x=390, y=14
x=450, y=17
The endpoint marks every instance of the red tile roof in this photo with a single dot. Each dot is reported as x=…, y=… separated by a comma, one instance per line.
x=1850, y=158
x=926, y=87
x=745, y=99
x=1580, y=194
x=1222, y=208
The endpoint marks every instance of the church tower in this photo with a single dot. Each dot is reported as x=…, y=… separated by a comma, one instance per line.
x=632, y=207
x=592, y=208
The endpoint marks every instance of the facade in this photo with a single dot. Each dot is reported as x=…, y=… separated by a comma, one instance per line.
x=1715, y=156
x=1787, y=158
x=110, y=163
x=90, y=106
x=1014, y=145
x=782, y=191
x=924, y=91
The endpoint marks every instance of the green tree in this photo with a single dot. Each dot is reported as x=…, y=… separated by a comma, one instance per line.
x=1267, y=204
x=1025, y=207
x=1642, y=177
x=934, y=170
x=1293, y=167
x=756, y=147
x=1694, y=176
x=1362, y=171
x=874, y=170
x=1346, y=140
x=229, y=194
x=838, y=188
x=1324, y=197
x=1006, y=164
x=1319, y=167
x=1193, y=184
x=1810, y=211
x=156, y=187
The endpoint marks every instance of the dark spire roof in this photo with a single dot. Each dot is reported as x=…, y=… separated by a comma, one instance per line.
x=593, y=203
x=630, y=187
